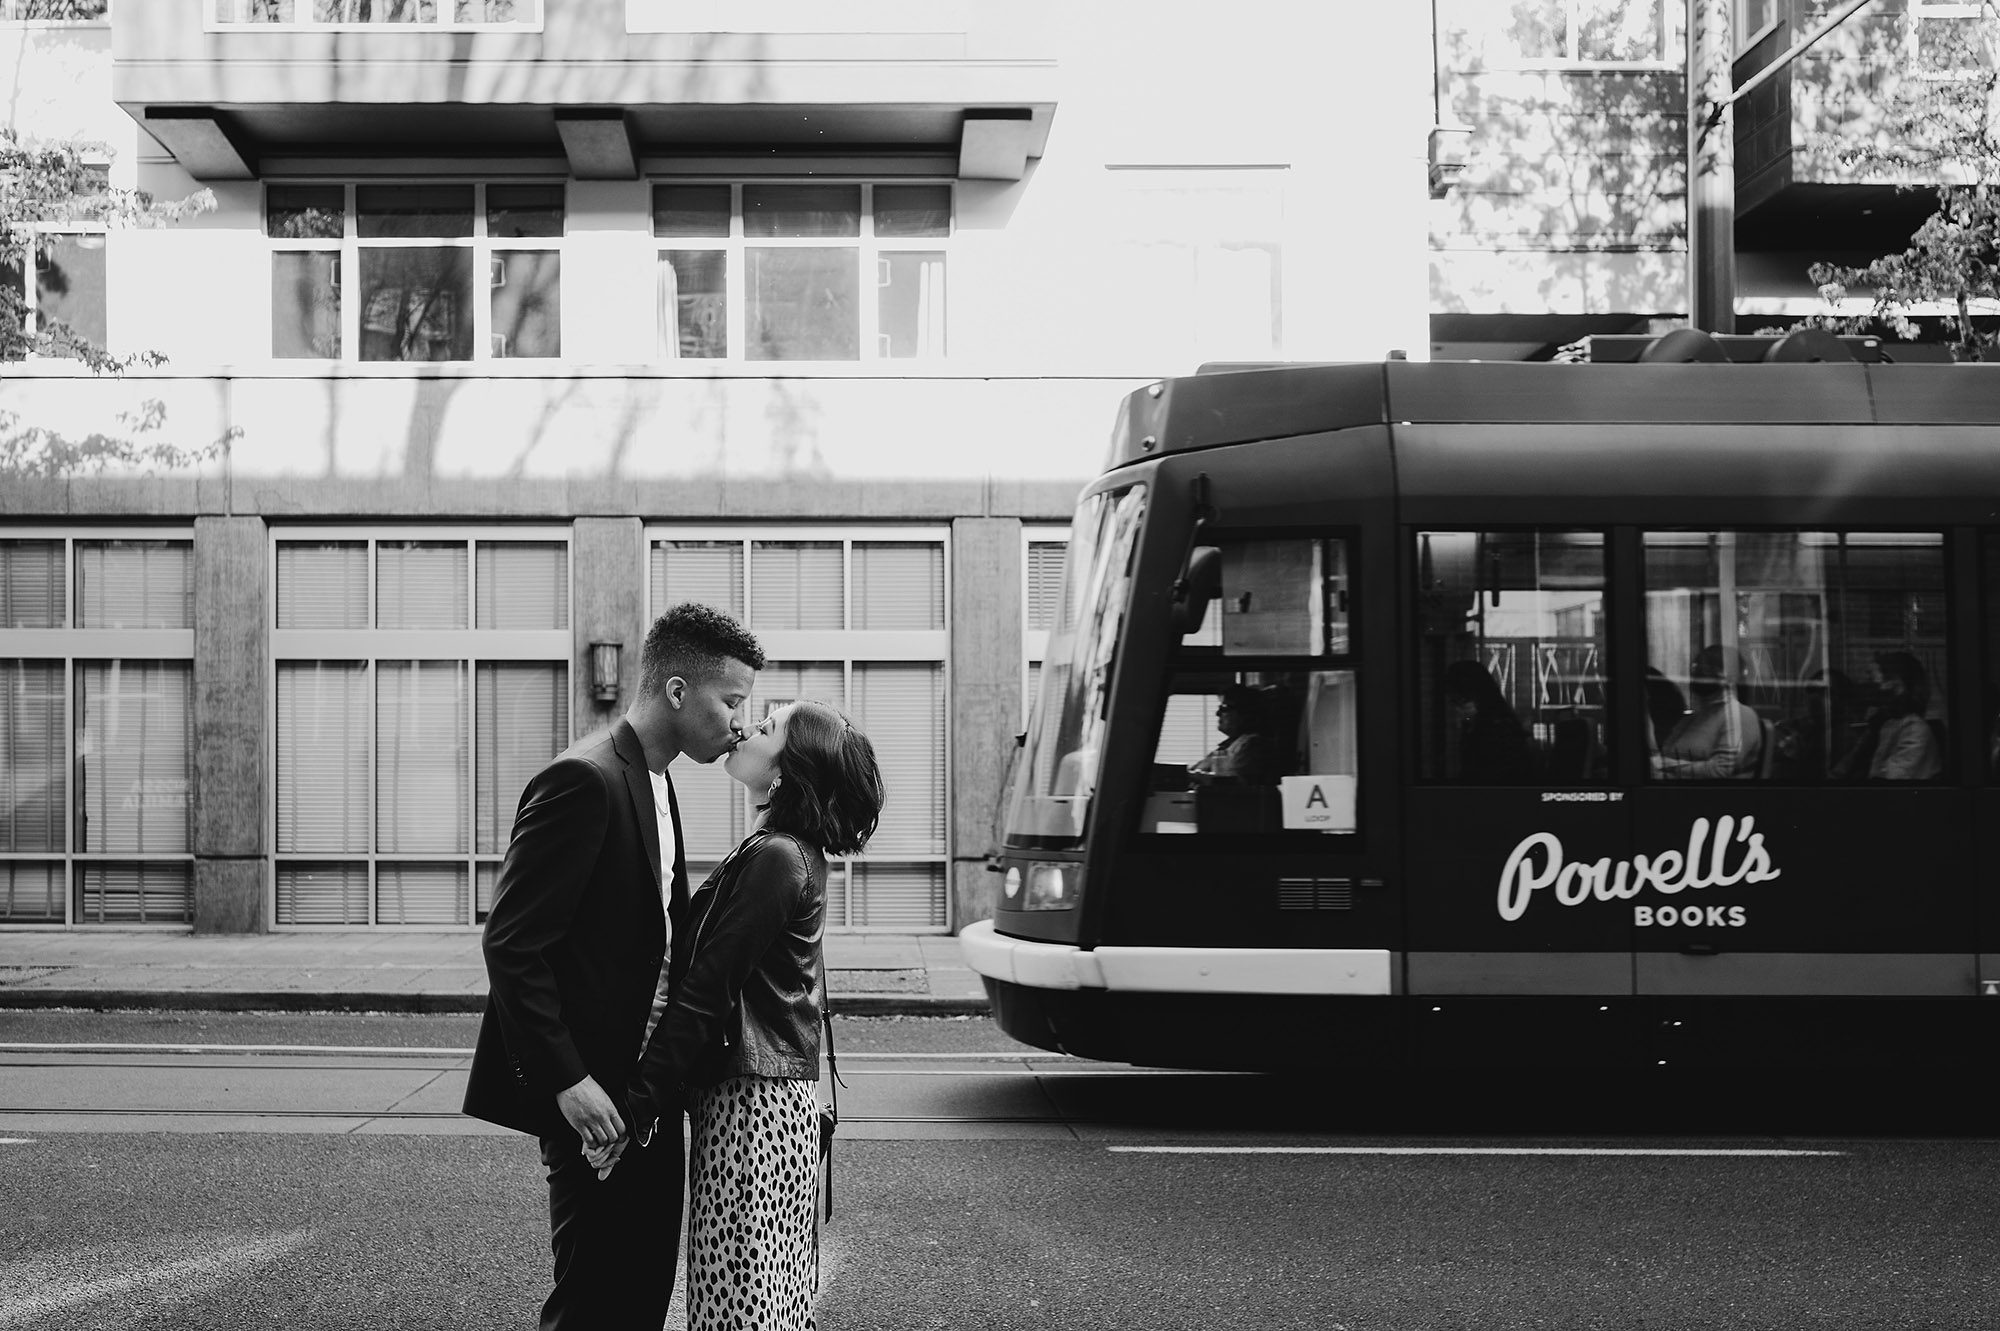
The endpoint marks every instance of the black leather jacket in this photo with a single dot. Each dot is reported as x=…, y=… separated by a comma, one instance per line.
x=749, y=1001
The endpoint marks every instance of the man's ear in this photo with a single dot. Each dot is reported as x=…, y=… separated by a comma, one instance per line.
x=675, y=691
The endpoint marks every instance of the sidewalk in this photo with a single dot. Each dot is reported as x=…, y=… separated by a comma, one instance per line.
x=869, y=974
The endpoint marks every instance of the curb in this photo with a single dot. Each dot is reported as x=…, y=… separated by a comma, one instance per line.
x=182, y=1000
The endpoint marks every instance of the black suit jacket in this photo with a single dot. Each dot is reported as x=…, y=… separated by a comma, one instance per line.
x=574, y=939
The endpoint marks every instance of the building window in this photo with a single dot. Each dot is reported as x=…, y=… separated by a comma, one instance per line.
x=1558, y=33
x=851, y=618
x=422, y=677
x=1951, y=39
x=57, y=277
x=97, y=728
x=53, y=11
x=802, y=272
x=441, y=272
x=1043, y=549
x=424, y=14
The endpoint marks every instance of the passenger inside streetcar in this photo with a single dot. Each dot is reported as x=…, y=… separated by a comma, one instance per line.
x=1492, y=744
x=1722, y=738
x=1899, y=742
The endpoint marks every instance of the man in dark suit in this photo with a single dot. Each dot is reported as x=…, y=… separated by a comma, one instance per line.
x=588, y=909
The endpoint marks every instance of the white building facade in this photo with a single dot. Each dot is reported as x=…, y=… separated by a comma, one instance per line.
x=524, y=319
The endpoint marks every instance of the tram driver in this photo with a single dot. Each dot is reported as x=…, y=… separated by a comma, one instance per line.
x=1251, y=752
x=1722, y=737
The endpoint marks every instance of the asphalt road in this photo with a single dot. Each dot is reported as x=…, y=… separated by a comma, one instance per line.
x=983, y=1188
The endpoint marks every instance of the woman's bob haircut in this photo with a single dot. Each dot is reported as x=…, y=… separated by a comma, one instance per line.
x=829, y=791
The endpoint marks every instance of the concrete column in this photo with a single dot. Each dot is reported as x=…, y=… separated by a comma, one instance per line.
x=231, y=666
x=608, y=578
x=985, y=702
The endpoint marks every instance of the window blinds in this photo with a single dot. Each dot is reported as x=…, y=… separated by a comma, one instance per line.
x=135, y=738
x=322, y=756
x=523, y=585
x=521, y=715
x=898, y=585
x=710, y=572
x=31, y=736
x=420, y=585
x=896, y=896
x=420, y=756
x=323, y=586
x=31, y=893
x=796, y=585
x=134, y=585
x=901, y=707
x=420, y=894
x=31, y=584
x=322, y=894
x=1044, y=590
x=134, y=894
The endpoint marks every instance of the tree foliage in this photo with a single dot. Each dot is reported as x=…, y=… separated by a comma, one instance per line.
x=1942, y=124
x=44, y=187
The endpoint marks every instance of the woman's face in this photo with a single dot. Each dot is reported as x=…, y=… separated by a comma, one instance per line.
x=754, y=762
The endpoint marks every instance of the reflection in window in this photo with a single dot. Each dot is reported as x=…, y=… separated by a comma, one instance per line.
x=1796, y=656
x=1510, y=657
x=1265, y=598
x=1056, y=774
x=813, y=271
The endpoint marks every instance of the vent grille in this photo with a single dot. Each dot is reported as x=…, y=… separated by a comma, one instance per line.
x=1315, y=894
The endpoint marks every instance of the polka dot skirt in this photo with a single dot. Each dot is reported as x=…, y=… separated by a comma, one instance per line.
x=753, y=1188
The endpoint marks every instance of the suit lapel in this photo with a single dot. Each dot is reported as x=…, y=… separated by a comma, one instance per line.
x=639, y=785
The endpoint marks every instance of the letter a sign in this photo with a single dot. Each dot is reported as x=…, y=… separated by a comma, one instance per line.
x=1318, y=803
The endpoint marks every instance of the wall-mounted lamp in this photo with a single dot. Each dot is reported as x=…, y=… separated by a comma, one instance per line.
x=604, y=671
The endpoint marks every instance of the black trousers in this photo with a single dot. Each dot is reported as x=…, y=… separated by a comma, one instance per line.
x=615, y=1240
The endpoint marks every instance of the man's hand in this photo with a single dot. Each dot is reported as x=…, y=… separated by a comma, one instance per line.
x=606, y=1159
x=590, y=1111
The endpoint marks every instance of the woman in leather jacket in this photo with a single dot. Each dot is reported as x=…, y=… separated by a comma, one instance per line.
x=740, y=1038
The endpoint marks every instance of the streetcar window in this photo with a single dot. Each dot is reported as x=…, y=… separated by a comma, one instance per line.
x=1510, y=657
x=1796, y=656
x=1057, y=774
x=1254, y=751
x=1251, y=739
x=1265, y=598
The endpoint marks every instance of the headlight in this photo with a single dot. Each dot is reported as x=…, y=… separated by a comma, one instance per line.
x=1011, y=884
x=1053, y=886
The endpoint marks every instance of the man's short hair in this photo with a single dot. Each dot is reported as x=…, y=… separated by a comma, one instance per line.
x=693, y=640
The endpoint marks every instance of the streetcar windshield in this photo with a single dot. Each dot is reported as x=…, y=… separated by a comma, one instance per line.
x=1056, y=774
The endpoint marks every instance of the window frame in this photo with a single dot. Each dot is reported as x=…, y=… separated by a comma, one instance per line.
x=1948, y=689
x=1035, y=641
x=9, y=18
x=1673, y=24
x=869, y=251
x=73, y=647
x=469, y=646
x=1183, y=658
x=347, y=250
x=851, y=648
x=212, y=23
x=36, y=233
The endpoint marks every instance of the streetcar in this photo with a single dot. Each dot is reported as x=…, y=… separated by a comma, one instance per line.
x=1630, y=713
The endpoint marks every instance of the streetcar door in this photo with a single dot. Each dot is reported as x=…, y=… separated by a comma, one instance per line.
x=1249, y=825
x=1511, y=805
x=1804, y=833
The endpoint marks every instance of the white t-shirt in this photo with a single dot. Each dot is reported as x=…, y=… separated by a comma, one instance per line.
x=663, y=809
